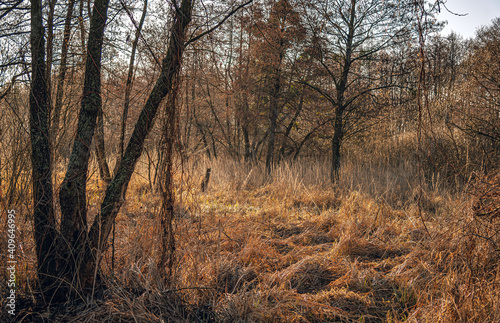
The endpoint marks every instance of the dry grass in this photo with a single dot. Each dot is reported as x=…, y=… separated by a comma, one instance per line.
x=295, y=249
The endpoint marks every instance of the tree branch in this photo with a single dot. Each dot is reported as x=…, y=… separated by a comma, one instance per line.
x=192, y=40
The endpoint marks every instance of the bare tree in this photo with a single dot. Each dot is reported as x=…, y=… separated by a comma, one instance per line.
x=346, y=34
x=477, y=105
x=74, y=262
x=69, y=256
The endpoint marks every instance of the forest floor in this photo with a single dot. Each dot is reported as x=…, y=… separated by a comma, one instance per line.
x=290, y=252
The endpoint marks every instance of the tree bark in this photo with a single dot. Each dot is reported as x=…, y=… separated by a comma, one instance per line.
x=56, y=115
x=166, y=258
x=246, y=139
x=336, y=145
x=115, y=192
x=273, y=118
x=272, y=135
x=338, y=122
x=50, y=51
x=100, y=149
x=72, y=196
x=81, y=25
x=43, y=211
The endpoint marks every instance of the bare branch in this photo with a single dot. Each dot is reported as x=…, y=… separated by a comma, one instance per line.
x=192, y=40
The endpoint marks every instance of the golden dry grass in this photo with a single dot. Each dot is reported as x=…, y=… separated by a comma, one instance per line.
x=293, y=249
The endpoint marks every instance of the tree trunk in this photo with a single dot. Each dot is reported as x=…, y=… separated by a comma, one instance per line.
x=100, y=148
x=56, y=115
x=167, y=239
x=273, y=120
x=199, y=126
x=81, y=25
x=128, y=84
x=50, y=51
x=43, y=211
x=72, y=196
x=336, y=145
x=272, y=135
x=246, y=138
x=115, y=192
x=340, y=104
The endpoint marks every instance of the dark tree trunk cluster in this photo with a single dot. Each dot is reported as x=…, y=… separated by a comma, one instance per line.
x=68, y=257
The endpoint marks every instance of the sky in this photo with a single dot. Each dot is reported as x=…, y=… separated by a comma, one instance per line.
x=480, y=13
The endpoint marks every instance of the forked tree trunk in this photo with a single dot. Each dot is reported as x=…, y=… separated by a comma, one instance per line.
x=115, y=192
x=59, y=252
x=72, y=196
x=68, y=259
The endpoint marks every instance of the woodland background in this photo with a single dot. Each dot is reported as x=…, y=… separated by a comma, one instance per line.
x=310, y=161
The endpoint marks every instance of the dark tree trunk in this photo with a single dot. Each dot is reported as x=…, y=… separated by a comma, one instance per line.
x=273, y=120
x=214, y=148
x=336, y=145
x=274, y=101
x=206, y=179
x=167, y=245
x=342, y=86
x=115, y=192
x=56, y=115
x=199, y=126
x=271, y=139
x=100, y=149
x=43, y=212
x=68, y=259
x=248, y=149
x=50, y=51
x=72, y=196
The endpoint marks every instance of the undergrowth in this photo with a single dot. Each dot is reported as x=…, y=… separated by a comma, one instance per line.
x=380, y=246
